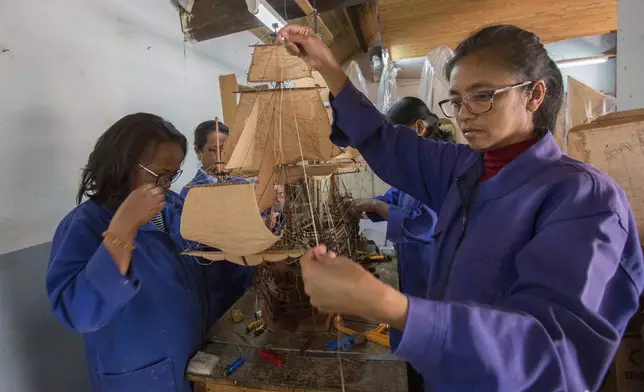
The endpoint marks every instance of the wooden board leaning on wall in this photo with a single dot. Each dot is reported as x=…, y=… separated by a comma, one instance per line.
x=614, y=143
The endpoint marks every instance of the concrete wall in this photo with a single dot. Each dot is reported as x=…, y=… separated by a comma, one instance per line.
x=630, y=49
x=68, y=70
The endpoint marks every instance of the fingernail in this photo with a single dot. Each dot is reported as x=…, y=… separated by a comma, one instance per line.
x=332, y=255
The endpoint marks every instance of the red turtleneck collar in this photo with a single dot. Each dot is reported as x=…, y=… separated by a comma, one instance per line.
x=495, y=160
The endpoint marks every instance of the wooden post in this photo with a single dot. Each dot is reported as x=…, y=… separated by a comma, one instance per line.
x=228, y=86
x=308, y=9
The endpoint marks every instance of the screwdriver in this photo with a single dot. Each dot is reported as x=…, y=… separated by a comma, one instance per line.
x=232, y=368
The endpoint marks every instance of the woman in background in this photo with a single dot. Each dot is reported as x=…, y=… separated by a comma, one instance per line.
x=226, y=282
x=116, y=273
x=536, y=265
x=205, y=146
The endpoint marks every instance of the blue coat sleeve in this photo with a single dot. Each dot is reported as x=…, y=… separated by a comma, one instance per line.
x=83, y=283
x=559, y=325
x=184, y=192
x=411, y=224
x=390, y=197
x=421, y=167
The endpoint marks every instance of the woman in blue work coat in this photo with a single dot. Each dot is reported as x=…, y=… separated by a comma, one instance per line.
x=536, y=265
x=205, y=147
x=115, y=272
x=226, y=282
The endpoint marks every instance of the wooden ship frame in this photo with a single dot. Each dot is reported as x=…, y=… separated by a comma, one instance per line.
x=280, y=136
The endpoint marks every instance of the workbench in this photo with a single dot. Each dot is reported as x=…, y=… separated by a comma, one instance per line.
x=366, y=368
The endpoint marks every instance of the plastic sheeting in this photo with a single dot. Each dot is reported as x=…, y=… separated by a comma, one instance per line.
x=387, y=90
x=434, y=86
x=357, y=79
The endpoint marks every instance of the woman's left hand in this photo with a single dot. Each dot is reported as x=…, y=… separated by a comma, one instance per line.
x=337, y=284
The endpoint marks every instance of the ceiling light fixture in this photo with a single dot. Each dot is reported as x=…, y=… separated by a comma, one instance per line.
x=583, y=61
x=266, y=14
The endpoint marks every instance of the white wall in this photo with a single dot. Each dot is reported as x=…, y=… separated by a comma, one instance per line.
x=68, y=71
x=598, y=76
x=630, y=49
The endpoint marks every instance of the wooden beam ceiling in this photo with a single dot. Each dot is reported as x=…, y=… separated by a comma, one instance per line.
x=216, y=18
x=410, y=28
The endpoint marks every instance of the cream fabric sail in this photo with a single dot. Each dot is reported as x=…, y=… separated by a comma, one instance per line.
x=245, y=110
x=272, y=63
x=316, y=80
x=265, y=187
x=226, y=217
x=276, y=114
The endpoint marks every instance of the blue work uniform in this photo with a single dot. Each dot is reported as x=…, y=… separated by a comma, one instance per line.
x=226, y=282
x=141, y=329
x=535, y=272
x=203, y=178
x=410, y=226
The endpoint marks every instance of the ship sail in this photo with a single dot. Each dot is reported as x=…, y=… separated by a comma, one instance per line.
x=306, y=116
x=280, y=136
x=272, y=63
x=221, y=215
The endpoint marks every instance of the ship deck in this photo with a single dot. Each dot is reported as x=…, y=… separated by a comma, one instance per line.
x=366, y=368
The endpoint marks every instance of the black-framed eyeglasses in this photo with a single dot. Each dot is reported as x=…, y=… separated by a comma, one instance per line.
x=165, y=179
x=477, y=103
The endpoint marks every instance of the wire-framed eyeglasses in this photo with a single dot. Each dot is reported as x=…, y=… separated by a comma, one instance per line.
x=164, y=179
x=477, y=103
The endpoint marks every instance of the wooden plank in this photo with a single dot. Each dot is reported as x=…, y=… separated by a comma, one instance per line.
x=413, y=27
x=344, y=45
x=227, y=87
x=369, y=22
x=200, y=387
x=353, y=15
x=617, y=148
x=308, y=9
x=215, y=18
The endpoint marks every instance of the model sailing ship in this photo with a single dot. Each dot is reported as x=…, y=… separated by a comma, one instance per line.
x=280, y=135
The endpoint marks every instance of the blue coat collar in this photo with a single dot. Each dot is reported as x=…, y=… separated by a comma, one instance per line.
x=525, y=167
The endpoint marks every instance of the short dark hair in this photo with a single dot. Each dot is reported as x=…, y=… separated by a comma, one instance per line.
x=522, y=53
x=206, y=128
x=408, y=110
x=106, y=177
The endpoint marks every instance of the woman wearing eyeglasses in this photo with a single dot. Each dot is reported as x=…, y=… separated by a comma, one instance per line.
x=206, y=142
x=116, y=274
x=536, y=267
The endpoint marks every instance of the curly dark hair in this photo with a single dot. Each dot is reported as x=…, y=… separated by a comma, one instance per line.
x=106, y=177
x=411, y=109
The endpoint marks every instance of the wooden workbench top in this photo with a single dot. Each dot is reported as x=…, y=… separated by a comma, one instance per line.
x=366, y=368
